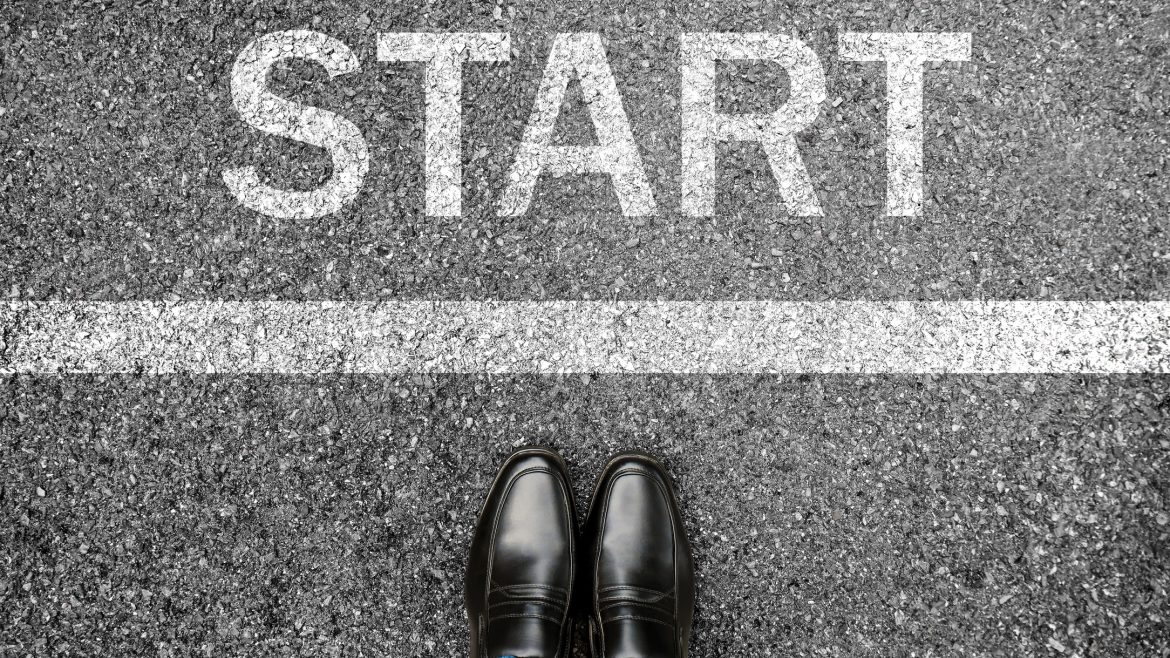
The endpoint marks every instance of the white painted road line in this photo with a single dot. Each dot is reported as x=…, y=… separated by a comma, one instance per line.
x=550, y=337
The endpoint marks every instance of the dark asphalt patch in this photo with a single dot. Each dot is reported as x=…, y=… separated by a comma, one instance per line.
x=1045, y=160
x=1013, y=515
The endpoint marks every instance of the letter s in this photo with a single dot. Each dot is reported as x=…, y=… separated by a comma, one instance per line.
x=269, y=113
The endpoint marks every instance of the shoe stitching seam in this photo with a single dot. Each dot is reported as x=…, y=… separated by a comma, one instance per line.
x=525, y=615
x=639, y=618
x=661, y=596
x=606, y=605
x=504, y=588
x=634, y=587
x=551, y=602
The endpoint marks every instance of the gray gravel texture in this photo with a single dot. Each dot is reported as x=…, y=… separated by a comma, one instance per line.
x=831, y=515
x=1045, y=159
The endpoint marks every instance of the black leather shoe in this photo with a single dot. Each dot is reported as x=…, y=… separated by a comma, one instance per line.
x=641, y=579
x=521, y=572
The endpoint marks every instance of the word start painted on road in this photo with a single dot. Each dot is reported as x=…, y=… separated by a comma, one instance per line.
x=582, y=55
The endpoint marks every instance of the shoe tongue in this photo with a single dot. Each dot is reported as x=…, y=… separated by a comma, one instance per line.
x=523, y=637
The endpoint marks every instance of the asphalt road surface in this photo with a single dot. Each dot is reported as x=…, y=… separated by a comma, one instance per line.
x=325, y=514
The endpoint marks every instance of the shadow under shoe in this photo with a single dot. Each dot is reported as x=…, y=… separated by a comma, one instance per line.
x=521, y=571
x=638, y=569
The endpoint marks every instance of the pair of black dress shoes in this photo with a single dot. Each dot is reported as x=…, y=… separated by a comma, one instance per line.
x=531, y=572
